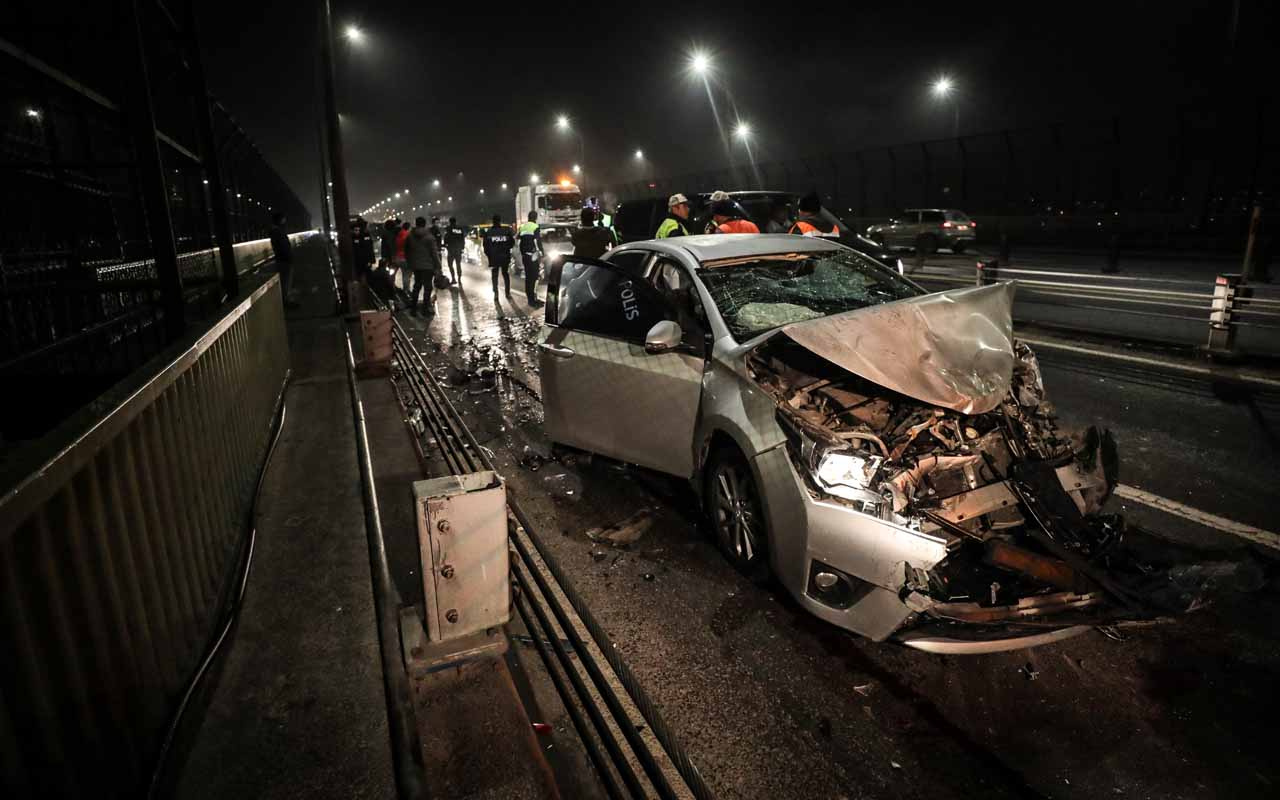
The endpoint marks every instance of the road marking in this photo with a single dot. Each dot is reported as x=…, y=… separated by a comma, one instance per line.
x=1247, y=532
x=1155, y=362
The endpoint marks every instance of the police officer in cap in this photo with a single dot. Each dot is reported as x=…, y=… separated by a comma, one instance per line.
x=809, y=221
x=530, y=237
x=455, y=240
x=673, y=224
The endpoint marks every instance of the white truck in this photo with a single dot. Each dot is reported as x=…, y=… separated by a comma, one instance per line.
x=559, y=205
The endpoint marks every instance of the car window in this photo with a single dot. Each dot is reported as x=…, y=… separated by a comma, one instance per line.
x=595, y=299
x=629, y=261
x=758, y=294
x=675, y=284
x=931, y=216
x=957, y=216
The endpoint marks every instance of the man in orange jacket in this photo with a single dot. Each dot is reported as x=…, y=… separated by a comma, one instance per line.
x=809, y=221
x=726, y=219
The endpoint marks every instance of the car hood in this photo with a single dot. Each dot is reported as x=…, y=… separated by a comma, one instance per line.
x=952, y=349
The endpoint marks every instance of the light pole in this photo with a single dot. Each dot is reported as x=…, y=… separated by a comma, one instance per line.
x=742, y=132
x=943, y=89
x=565, y=125
x=337, y=163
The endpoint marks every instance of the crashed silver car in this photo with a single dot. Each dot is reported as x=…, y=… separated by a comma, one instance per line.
x=886, y=454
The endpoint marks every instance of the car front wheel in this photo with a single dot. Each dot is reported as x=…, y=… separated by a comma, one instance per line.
x=736, y=514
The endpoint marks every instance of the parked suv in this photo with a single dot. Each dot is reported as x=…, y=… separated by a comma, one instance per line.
x=927, y=229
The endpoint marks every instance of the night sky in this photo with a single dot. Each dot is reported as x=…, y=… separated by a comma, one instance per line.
x=431, y=93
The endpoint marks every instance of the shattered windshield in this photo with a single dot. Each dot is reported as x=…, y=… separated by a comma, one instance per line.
x=761, y=293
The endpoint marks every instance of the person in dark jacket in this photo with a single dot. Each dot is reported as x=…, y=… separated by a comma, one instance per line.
x=362, y=243
x=282, y=249
x=498, y=243
x=589, y=240
x=455, y=241
x=422, y=255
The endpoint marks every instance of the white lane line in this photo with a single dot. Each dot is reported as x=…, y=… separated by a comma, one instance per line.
x=1247, y=532
x=1155, y=362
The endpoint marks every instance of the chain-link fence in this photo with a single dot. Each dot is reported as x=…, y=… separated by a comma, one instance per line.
x=126, y=189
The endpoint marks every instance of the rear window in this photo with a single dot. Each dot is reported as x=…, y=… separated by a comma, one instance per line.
x=957, y=216
x=931, y=216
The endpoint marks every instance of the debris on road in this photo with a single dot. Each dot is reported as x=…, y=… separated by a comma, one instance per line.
x=625, y=533
x=564, y=485
x=1029, y=671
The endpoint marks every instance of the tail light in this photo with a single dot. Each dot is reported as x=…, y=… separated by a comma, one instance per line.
x=972, y=224
x=947, y=224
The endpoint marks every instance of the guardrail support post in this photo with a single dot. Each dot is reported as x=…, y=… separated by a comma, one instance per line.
x=1113, y=254
x=986, y=273
x=1222, y=329
x=1250, y=266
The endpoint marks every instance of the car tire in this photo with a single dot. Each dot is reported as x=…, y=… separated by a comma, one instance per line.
x=926, y=244
x=735, y=513
x=957, y=248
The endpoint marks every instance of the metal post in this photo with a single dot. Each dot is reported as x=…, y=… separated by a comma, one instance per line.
x=1250, y=267
x=1222, y=329
x=337, y=164
x=211, y=162
x=324, y=185
x=150, y=172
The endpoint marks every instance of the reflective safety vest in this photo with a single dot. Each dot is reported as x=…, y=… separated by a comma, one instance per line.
x=671, y=226
x=815, y=226
x=738, y=225
x=529, y=237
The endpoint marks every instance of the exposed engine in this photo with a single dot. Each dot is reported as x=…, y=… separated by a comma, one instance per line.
x=1017, y=498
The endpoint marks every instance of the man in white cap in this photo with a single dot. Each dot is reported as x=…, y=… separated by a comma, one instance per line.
x=677, y=213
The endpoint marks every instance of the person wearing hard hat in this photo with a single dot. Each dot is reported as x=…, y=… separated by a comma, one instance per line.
x=677, y=213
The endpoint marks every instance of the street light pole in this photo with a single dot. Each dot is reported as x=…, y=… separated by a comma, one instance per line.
x=337, y=163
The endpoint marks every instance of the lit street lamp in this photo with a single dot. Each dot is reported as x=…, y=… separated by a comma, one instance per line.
x=435, y=184
x=504, y=187
x=639, y=155
x=532, y=178
x=563, y=124
x=353, y=34
x=943, y=89
x=700, y=63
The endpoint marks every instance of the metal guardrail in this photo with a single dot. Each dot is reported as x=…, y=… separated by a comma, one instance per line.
x=120, y=537
x=1225, y=305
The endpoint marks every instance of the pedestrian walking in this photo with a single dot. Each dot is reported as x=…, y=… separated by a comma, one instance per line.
x=422, y=256
x=282, y=251
x=498, y=243
x=531, y=254
x=402, y=264
x=455, y=241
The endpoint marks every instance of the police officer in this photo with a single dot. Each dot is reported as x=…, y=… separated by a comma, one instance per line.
x=498, y=242
x=530, y=253
x=810, y=223
x=455, y=241
x=677, y=213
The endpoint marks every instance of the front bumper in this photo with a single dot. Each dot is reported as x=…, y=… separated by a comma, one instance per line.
x=871, y=559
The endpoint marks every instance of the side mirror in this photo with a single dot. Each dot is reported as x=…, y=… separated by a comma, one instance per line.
x=663, y=337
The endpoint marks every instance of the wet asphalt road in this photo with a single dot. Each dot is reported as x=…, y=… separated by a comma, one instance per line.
x=770, y=702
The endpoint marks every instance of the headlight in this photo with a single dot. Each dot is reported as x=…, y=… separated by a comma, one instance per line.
x=901, y=269
x=848, y=475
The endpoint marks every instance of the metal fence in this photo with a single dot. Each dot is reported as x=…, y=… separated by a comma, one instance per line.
x=126, y=191
x=120, y=536
x=1185, y=177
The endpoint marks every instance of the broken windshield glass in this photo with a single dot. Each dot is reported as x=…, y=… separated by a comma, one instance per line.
x=760, y=294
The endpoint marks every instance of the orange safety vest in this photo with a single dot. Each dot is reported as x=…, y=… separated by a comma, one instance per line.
x=737, y=226
x=806, y=228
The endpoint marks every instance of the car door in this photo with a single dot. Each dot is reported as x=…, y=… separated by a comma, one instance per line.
x=601, y=390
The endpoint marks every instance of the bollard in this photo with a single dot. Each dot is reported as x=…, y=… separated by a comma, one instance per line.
x=1113, y=254
x=986, y=273
x=1222, y=329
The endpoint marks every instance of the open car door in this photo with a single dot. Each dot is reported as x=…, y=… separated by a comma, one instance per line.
x=618, y=377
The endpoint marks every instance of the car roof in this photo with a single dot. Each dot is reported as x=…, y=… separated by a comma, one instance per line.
x=714, y=246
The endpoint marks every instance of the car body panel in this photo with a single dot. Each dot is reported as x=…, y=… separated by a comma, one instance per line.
x=948, y=227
